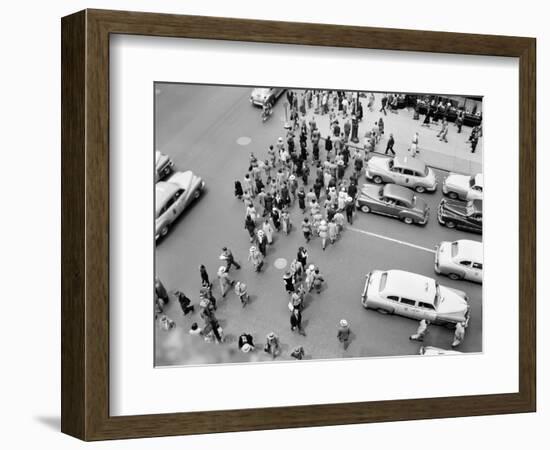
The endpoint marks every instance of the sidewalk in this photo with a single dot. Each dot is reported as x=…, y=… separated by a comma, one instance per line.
x=452, y=156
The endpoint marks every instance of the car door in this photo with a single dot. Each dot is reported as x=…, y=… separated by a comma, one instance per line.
x=409, y=178
x=466, y=268
x=386, y=206
x=397, y=175
x=477, y=272
x=428, y=311
x=408, y=308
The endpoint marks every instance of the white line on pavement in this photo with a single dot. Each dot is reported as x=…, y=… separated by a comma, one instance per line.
x=358, y=230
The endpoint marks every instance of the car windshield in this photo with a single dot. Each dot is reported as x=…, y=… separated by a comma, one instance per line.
x=383, y=280
x=437, y=297
x=390, y=164
x=426, y=171
x=454, y=249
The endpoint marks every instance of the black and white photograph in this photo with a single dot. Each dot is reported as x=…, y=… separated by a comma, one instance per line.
x=296, y=224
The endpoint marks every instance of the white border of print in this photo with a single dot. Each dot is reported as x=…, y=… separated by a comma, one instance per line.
x=138, y=388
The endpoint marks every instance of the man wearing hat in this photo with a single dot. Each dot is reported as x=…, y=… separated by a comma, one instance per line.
x=225, y=281
x=246, y=343
x=344, y=333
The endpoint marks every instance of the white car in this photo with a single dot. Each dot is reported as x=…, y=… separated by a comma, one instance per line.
x=172, y=197
x=436, y=351
x=414, y=296
x=460, y=260
x=403, y=170
x=164, y=166
x=464, y=187
x=260, y=96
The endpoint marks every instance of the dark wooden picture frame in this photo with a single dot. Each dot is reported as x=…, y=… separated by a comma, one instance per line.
x=85, y=224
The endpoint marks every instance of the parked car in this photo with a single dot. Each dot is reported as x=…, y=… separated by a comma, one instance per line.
x=460, y=260
x=414, y=296
x=260, y=95
x=463, y=187
x=466, y=216
x=394, y=201
x=436, y=351
x=172, y=197
x=402, y=170
x=163, y=165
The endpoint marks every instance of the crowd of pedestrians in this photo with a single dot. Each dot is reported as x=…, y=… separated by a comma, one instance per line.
x=311, y=172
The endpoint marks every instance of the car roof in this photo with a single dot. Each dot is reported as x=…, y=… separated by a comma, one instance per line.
x=470, y=250
x=398, y=193
x=410, y=285
x=163, y=192
x=409, y=163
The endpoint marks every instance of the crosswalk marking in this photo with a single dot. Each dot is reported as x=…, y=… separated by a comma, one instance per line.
x=358, y=230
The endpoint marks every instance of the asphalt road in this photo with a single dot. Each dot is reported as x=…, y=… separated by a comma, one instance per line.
x=203, y=128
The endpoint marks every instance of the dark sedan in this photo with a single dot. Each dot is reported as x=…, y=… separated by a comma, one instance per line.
x=466, y=216
x=394, y=201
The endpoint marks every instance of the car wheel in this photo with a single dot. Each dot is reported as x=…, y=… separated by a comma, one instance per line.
x=408, y=220
x=377, y=179
x=382, y=311
x=455, y=276
x=453, y=195
x=420, y=189
x=197, y=194
x=450, y=224
x=164, y=231
x=365, y=209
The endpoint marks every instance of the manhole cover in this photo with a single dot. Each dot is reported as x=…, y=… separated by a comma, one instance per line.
x=280, y=263
x=244, y=140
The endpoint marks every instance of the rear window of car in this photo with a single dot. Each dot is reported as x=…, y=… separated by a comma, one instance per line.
x=383, y=280
x=454, y=249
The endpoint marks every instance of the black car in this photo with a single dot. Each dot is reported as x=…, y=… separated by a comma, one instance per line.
x=466, y=216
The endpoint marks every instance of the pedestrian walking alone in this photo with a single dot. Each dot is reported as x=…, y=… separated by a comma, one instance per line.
x=262, y=242
x=389, y=145
x=289, y=283
x=229, y=259
x=184, y=302
x=343, y=334
x=257, y=259
x=296, y=321
x=204, y=275
x=460, y=331
x=272, y=345
x=318, y=280
x=241, y=291
x=285, y=221
x=225, y=281
x=421, y=331
x=238, y=190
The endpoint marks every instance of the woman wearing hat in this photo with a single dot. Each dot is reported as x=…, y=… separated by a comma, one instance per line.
x=343, y=334
x=225, y=281
x=323, y=233
x=256, y=258
x=272, y=345
x=262, y=243
x=285, y=220
x=268, y=231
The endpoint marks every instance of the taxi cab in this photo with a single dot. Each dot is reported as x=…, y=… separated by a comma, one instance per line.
x=460, y=260
x=414, y=296
x=402, y=170
x=172, y=197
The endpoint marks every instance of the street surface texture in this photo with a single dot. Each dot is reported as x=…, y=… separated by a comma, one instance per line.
x=211, y=130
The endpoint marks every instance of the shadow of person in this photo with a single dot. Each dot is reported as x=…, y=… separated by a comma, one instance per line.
x=52, y=422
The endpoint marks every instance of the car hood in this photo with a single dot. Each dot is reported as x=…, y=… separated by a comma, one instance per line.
x=420, y=204
x=378, y=162
x=453, y=305
x=459, y=181
x=161, y=159
x=260, y=93
x=455, y=206
x=186, y=180
x=371, y=190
